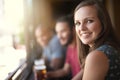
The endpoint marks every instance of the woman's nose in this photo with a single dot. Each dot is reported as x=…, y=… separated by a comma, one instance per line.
x=82, y=27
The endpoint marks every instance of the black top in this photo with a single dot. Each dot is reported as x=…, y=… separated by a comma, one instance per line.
x=114, y=61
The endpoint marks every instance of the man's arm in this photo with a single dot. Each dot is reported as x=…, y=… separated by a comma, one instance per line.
x=57, y=63
x=59, y=73
x=57, y=54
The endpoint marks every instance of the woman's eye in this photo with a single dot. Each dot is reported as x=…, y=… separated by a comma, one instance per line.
x=77, y=23
x=89, y=21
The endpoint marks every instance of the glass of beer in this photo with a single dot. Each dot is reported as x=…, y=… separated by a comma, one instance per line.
x=40, y=72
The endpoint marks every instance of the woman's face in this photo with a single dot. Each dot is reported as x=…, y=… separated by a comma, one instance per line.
x=87, y=24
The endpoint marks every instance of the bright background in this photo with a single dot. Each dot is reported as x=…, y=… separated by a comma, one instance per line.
x=11, y=23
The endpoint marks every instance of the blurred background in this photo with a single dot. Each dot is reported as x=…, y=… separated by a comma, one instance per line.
x=18, y=19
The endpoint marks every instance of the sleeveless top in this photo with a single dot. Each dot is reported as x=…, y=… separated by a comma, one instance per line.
x=114, y=62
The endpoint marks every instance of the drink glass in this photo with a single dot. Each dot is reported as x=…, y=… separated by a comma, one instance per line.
x=39, y=72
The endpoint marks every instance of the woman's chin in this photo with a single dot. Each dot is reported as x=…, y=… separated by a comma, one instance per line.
x=86, y=42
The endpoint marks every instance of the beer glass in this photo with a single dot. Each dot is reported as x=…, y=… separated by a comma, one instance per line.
x=39, y=70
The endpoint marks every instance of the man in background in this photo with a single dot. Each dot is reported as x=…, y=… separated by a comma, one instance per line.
x=66, y=34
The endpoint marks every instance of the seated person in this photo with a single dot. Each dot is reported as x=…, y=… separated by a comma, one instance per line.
x=53, y=52
x=66, y=34
x=99, y=47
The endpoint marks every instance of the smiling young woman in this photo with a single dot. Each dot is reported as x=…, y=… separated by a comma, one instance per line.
x=98, y=47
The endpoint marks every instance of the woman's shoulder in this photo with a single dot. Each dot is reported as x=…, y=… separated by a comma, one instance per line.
x=113, y=56
x=108, y=49
x=96, y=55
x=93, y=63
x=104, y=50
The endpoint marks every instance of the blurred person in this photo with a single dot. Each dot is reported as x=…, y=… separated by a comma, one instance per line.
x=99, y=50
x=66, y=34
x=53, y=52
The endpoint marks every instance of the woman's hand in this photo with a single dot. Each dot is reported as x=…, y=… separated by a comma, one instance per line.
x=78, y=76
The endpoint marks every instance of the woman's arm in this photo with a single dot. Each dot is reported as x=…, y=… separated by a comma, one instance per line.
x=78, y=76
x=96, y=66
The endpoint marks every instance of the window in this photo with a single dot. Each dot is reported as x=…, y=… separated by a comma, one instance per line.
x=12, y=49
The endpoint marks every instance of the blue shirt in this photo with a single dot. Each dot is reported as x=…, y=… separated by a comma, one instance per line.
x=114, y=61
x=54, y=49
